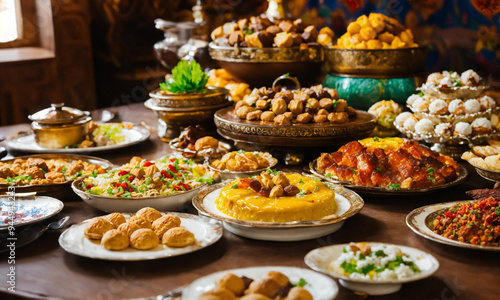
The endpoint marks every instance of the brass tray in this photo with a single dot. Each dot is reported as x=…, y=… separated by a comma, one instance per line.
x=376, y=62
x=382, y=190
x=296, y=135
x=56, y=190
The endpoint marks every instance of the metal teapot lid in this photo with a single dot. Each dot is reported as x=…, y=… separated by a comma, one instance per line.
x=58, y=114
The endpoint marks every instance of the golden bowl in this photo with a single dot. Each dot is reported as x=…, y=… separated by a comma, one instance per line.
x=209, y=96
x=376, y=62
x=261, y=66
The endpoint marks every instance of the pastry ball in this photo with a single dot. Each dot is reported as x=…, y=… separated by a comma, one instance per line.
x=97, y=227
x=217, y=294
x=255, y=297
x=143, y=223
x=401, y=118
x=438, y=107
x=144, y=239
x=409, y=124
x=161, y=225
x=470, y=78
x=299, y=293
x=279, y=277
x=178, y=237
x=149, y=214
x=487, y=102
x=128, y=228
x=115, y=239
x=456, y=107
x=412, y=99
x=472, y=106
x=265, y=286
x=424, y=126
x=444, y=129
x=435, y=78
x=116, y=219
x=462, y=128
x=232, y=283
x=421, y=105
x=481, y=126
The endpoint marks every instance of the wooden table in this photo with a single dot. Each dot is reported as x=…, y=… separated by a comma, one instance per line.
x=45, y=270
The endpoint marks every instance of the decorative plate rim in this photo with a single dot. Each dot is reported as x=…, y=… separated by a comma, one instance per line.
x=59, y=208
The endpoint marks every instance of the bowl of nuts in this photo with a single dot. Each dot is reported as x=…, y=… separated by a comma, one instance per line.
x=257, y=50
x=306, y=117
x=241, y=164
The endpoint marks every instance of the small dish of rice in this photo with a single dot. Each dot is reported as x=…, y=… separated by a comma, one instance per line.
x=372, y=268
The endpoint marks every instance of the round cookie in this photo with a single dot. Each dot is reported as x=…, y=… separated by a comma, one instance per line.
x=116, y=219
x=144, y=239
x=97, y=227
x=149, y=214
x=115, y=239
x=163, y=224
x=178, y=237
x=128, y=228
x=143, y=223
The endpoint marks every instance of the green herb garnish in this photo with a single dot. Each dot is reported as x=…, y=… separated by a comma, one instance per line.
x=329, y=175
x=376, y=139
x=379, y=170
x=187, y=77
x=301, y=181
x=421, y=94
x=94, y=173
x=354, y=171
x=302, y=282
x=395, y=186
x=234, y=186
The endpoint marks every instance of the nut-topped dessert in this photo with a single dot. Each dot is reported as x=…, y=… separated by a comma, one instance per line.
x=277, y=197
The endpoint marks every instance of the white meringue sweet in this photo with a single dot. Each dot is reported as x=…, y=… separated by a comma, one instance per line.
x=472, y=106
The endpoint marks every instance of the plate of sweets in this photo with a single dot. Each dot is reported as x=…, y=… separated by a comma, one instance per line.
x=278, y=206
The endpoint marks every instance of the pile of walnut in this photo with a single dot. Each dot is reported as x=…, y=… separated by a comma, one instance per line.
x=267, y=185
x=307, y=105
x=274, y=285
x=144, y=231
x=196, y=138
x=242, y=161
x=261, y=32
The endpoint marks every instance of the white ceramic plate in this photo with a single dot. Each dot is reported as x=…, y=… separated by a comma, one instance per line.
x=206, y=232
x=28, y=209
x=348, y=202
x=320, y=286
x=321, y=258
x=26, y=142
x=419, y=218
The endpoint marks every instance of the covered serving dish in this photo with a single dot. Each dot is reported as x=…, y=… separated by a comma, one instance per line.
x=59, y=126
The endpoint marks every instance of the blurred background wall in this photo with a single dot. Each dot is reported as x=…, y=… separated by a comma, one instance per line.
x=99, y=53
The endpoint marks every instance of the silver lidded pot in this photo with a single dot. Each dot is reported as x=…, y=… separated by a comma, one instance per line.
x=59, y=126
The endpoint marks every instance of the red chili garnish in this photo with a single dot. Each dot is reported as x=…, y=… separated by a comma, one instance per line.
x=165, y=174
x=130, y=178
x=172, y=159
x=89, y=186
x=244, y=183
x=172, y=168
x=177, y=188
x=147, y=164
x=122, y=172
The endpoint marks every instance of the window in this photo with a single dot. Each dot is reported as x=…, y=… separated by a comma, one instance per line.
x=10, y=20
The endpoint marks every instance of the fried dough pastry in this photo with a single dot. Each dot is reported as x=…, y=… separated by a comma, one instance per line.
x=178, y=237
x=163, y=224
x=128, y=228
x=298, y=293
x=255, y=297
x=149, y=214
x=144, y=239
x=116, y=219
x=97, y=227
x=115, y=239
x=231, y=282
x=143, y=223
x=217, y=294
x=265, y=286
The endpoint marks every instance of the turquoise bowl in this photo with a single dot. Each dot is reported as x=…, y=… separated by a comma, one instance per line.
x=361, y=93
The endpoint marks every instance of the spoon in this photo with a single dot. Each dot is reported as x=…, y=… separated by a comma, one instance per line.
x=31, y=233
